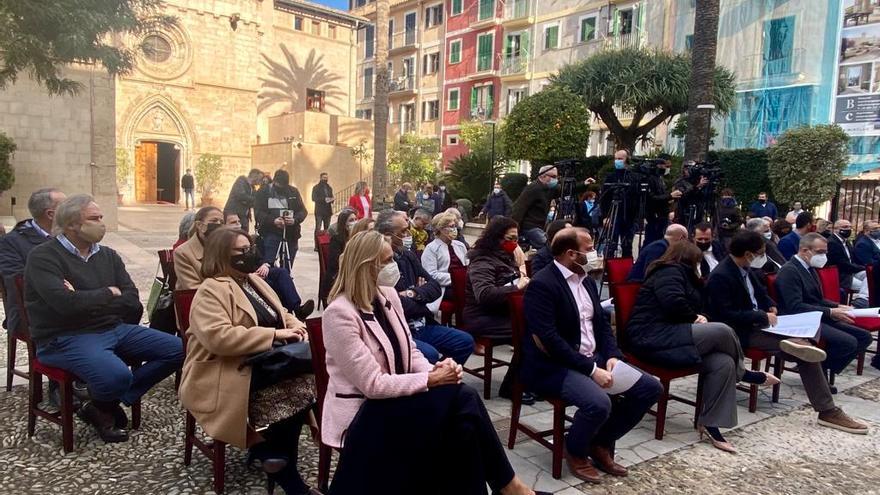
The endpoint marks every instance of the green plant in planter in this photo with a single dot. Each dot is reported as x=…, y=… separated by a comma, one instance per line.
x=7, y=172
x=208, y=169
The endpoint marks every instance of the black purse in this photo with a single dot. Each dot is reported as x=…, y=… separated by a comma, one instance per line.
x=281, y=362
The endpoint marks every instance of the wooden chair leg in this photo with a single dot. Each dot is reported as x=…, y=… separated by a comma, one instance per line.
x=778, y=368
x=35, y=384
x=515, y=408
x=661, y=410
x=11, y=345
x=136, y=415
x=698, y=404
x=219, y=465
x=66, y=391
x=860, y=363
x=558, y=440
x=753, y=389
x=324, y=455
x=487, y=370
x=189, y=430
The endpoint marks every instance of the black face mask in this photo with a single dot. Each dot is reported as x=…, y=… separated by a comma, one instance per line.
x=246, y=262
x=211, y=227
x=844, y=234
x=704, y=246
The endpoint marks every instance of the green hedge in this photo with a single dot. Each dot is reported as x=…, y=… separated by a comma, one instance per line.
x=745, y=171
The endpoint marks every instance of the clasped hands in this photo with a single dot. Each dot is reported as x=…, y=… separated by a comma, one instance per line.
x=298, y=334
x=446, y=372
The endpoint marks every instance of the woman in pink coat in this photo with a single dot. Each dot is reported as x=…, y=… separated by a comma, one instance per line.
x=404, y=426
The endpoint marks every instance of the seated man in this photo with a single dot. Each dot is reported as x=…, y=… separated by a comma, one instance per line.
x=569, y=352
x=842, y=255
x=674, y=233
x=774, y=257
x=800, y=291
x=867, y=249
x=419, y=292
x=78, y=297
x=737, y=298
x=713, y=249
x=544, y=257
x=419, y=229
x=788, y=245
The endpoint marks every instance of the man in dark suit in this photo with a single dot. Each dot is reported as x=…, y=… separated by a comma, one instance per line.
x=322, y=196
x=775, y=260
x=649, y=253
x=570, y=352
x=867, y=249
x=241, y=197
x=842, y=255
x=737, y=298
x=788, y=245
x=713, y=249
x=800, y=291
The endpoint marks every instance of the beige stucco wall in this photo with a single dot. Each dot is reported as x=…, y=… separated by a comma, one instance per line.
x=63, y=141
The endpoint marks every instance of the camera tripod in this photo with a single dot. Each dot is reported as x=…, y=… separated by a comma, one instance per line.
x=282, y=254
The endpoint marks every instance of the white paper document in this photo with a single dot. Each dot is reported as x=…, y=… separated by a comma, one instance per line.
x=801, y=325
x=607, y=303
x=865, y=313
x=624, y=377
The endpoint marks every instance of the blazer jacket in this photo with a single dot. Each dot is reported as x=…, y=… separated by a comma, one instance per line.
x=866, y=252
x=799, y=290
x=650, y=253
x=729, y=301
x=360, y=359
x=553, y=332
x=222, y=333
x=788, y=245
x=435, y=260
x=188, y=263
x=842, y=255
x=354, y=202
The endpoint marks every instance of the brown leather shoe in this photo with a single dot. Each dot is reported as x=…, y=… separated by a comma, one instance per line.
x=603, y=460
x=581, y=468
x=837, y=419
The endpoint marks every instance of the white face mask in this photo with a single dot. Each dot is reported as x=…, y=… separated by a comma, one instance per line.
x=452, y=232
x=389, y=275
x=593, y=260
x=592, y=256
x=350, y=225
x=768, y=235
x=497, y=190
x=759, y=261
x=818, y=260
x=407, y=242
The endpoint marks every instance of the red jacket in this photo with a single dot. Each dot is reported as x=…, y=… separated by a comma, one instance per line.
x=355, y=203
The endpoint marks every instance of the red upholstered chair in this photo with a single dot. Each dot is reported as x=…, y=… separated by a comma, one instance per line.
x=518, y=321
x=323, y=240
x=831, y=291
x=453, y=307
x=624, y=295
x=484, y=372
x=215, y=450
x=618, y=269
x=15, y=335
x=319, y=363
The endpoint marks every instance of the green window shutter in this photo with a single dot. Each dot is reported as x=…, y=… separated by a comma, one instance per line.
x=615, y=28
x=524, y=47
x=487, y=8
x=455, y=52
x=473, y=102
x=453, y=100
x=551, y=38
x=456, y=7
x=508, y=48
x=588, y=29
x=490, y=104
x=484, y=52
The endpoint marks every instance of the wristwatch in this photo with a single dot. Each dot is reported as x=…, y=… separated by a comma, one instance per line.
x=410, y=293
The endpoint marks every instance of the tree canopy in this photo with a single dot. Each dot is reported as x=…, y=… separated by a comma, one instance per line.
x=7, y=172
x=414, y=159
x=806, y=163
x=41, y=37
x=649, y=85
x=551, y=125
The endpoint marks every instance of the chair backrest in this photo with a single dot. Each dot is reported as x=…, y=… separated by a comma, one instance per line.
x=830, y=283
x=624, y=294
x=869, y=273
x=618, y=269
x=319, y=360
x=24, y=329
x=323, y=238
x=517, y=322
x=182, y=303
x=771, y=287
x=459, y=292
x=166, y=262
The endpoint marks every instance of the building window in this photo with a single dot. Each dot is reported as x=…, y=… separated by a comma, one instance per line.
x=551, y=37
x=157, y=49
x=487, y=9
x=778, y=45
x=368, y=82
x=452, y=98
x=485, y=49
x=316, y=28
x=455, y=52
x=298, y=23
x=369, y=41
x=430, y=110
x=482, y=101
x=434, y=16
x=331, y=32
x=314, y=100
x=588, y=29
x=515, y=96
x=689, y=42
x=390, y=33
x=366, y=114
x=457, y=7
x=624, y=21
x=431, y=63
x=452, y=139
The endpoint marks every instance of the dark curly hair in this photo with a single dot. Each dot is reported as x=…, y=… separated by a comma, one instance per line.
x=341, y=224
x=493, y=234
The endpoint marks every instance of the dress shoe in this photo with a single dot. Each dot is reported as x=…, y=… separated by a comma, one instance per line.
x=718, y=441
x=603, y=460
x=120, y=419
x=304, y=310
x=839, y=420
x=581, y=468
x=103, y=422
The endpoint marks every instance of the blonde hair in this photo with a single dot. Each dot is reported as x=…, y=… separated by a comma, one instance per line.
x=441, y=220
x=362, y=225
x=359, y=267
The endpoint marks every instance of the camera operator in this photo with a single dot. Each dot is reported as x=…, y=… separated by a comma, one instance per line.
x=694, y=191
x=531, y=207
x=657, y=200
x=620, y=184
x=279, y=211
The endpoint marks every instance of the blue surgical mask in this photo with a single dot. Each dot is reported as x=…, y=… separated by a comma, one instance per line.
x=553, y=183
x=619, y=164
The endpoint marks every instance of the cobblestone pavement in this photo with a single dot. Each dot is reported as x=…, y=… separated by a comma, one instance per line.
x=782, y=450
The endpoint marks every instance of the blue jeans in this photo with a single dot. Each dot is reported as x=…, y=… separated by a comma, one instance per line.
x=536, y=237
x=271, y=242
x=280, y=281
x=189, y=198
x=432, y=340
x=100, y=360
x=599, y=420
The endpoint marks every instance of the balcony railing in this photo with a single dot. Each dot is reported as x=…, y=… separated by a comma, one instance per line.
x=402, y=39
x=517, y=9
x=760, y=66
x=628, y=40
x=405, y=83
x=514, y=65
x=405, y=127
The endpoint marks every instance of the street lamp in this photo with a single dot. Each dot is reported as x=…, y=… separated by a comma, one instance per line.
x=492, y=168
x=709, y=108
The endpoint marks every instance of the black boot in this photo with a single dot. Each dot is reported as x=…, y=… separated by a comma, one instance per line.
x=100, y=416
x=304, y=310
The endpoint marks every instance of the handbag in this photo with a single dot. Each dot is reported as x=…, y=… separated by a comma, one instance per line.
x=281, y=362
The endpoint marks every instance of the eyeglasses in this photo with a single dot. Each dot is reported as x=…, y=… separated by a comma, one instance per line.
x=243, y=250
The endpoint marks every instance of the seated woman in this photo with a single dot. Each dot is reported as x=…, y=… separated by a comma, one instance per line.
x=188, y=256
x=345, y=221
x=404, y=426
x=459, y=223
x=444, y=252
x=362, y=225
x=666, y=329
x=234, y=315
x=186, y=223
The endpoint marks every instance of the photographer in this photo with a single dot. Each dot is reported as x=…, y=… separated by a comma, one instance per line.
x=657, y=199
x=691, y=208
x=531, y=207
x=279, y=211
x=620, y=184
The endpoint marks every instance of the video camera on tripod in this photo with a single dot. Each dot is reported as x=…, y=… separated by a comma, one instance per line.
x=710, y=170
x=565, y=207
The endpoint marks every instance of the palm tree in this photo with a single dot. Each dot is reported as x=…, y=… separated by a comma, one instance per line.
x=702, y=79
x=287, y=82
x=380, y=105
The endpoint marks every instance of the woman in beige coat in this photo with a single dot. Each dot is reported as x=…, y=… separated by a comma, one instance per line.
x=235, y=315
x=188, y=256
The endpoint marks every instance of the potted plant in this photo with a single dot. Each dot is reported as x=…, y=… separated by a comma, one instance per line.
x=124, y=170
x=208, y=169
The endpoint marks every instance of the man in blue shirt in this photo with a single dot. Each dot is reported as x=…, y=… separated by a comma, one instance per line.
x=788, y=245
x=762, y=207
